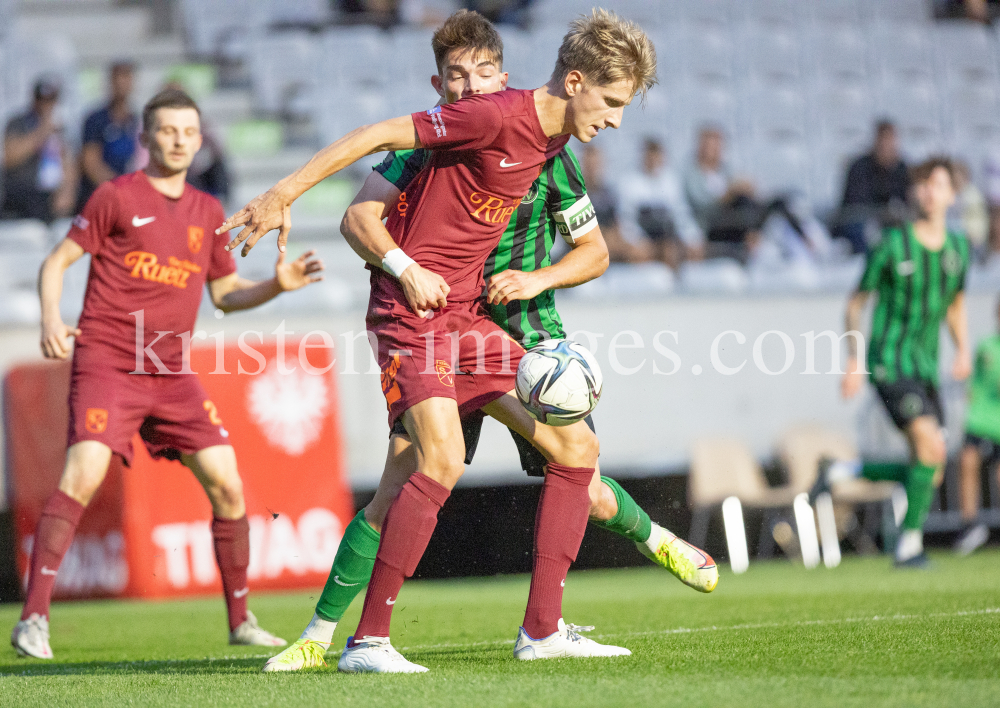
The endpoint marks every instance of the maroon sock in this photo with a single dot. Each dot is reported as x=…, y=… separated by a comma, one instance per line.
x=407, y=530
x=53, y=537
x=560, y=523
x=232, y=552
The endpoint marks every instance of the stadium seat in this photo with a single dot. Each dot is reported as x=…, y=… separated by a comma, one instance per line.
x=23, y=234
x=836, y=11
x=898, y=10
x=902, y=52
x=298, y=12
x=698, y=104
x=705, y=12
x=722, y=468
x=769, y=54
x=254, y=137
x=775, y=13
x=638, y=280
x=19, y=266
x=773, y=113
x=915, y=109
x=973, y=114
x=353, y=57
x=840, y=114
x=415, y=45
x=794, y=276
x=965, y=53
x=780, y=167
x=715, y=276
x=20, y=307
x=208, y=24
x=283, y=73
x=836, y=54
x=706, y=53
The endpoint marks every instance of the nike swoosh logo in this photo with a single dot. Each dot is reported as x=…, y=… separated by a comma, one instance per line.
x=48, y=571
x=390, y=601
x=562, y=583
x=136, y=221
x=336, y=579
x=240, y=593
x=504, y=163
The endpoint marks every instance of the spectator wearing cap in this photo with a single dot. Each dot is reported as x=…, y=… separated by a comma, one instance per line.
x=654, y=211
x=876, y=188
x=39, y=176
x=110, y=135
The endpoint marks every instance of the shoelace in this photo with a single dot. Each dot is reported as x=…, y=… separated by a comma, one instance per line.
x=679, y=564
x=312, y=647
x=573, y=632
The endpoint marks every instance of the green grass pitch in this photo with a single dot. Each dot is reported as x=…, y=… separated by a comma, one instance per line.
x=862, y=634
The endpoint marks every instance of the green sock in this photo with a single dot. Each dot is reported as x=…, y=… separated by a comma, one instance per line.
x=352, y=569
x=919, y=495
x=630, y=521
x=885, y=472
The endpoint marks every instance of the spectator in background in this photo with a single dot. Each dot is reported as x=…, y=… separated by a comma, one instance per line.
x=970, y=214
x=726, y=207
x=605, y=202
x=110, y=135
x=38, y=173
x=877, y=187
x=654, y=213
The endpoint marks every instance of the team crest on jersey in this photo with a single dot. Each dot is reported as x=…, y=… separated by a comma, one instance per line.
x=444, y=372
x=532, y=194
x=951, y=262
x=196, y=235
x=96, y=420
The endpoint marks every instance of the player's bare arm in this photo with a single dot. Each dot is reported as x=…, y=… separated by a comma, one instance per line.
x=958, y=326
x=272, y=209
x=855, y=376
x=586, y=260
x=55, y=333
x=363, y=229
x=231, y=292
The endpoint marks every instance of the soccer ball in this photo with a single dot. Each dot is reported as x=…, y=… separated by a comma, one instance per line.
x=559, y=382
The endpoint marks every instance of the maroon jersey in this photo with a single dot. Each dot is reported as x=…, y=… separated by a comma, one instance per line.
x=487, y=151
x=149, y=253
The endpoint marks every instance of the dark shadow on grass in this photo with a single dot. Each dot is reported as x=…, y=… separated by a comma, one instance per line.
x=235, y=665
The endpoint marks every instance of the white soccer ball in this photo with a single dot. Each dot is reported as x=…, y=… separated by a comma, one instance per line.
x=559, y=382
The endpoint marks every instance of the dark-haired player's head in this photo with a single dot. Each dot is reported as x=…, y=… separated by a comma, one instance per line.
x=933, y=187
x=711, y=144
x=468, y=52
x=886, y=147
x=603, y=62
x=121, y=78
x=46, y=95
x=653, y=156
x=171, y=130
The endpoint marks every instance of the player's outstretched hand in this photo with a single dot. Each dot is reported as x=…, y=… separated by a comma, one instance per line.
x=513, y=285
x=263, y=214
x=424, y=290
x=962, y=368
x=300, y=272
x=853, y=379
x=55, y=339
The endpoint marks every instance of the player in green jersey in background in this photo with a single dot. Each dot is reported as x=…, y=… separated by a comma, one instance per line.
x=520, y=280
x=917, y=273
x=982, y=441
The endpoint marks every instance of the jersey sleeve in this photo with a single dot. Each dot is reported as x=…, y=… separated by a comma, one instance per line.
x=94, y=224
x=471, y=124
x=876, y=264
x=400, y=167
x=567, y=201
x=222, y=262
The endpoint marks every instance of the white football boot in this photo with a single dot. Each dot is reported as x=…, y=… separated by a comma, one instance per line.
x=375, y=655
x=567, y=642
x=251, y=634
x=31, y=637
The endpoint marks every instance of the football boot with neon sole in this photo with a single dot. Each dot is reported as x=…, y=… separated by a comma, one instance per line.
x=565, y=643
x=31, y=637
x=689, y=564
x=249, y=633
x=375, y=655
x=302, y=654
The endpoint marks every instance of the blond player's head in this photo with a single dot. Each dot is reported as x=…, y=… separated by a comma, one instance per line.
x=171, y=130
x=603, y=62
x=468, y=52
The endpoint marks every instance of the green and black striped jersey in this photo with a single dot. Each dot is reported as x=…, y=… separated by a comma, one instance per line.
x=526, y=244
x=914, y=287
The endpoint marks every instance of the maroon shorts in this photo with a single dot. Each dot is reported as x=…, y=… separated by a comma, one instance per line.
x=457, y=353
x=172, y=413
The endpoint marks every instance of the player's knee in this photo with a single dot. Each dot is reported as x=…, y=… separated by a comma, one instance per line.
x=932, y=451
x=229, y=491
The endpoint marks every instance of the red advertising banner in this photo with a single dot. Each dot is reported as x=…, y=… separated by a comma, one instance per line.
x=146, y=532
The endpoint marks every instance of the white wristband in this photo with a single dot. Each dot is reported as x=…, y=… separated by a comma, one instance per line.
x=395, y=262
